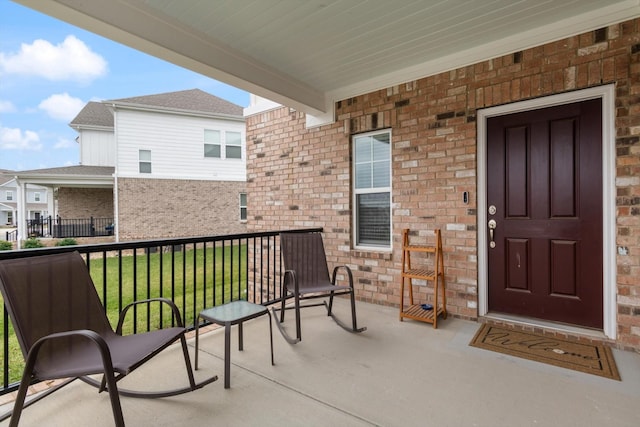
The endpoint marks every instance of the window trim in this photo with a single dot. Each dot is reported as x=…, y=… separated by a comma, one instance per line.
x=371, y=190
x=9, y=196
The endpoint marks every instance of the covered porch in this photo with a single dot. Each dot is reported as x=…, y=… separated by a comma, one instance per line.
x=394, y=374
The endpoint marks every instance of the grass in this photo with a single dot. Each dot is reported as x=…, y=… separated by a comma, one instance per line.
x=193, y=279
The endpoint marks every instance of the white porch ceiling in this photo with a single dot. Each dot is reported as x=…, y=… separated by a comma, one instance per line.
x=306, y=54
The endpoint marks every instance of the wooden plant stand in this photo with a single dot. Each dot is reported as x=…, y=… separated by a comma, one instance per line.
x=432, y=271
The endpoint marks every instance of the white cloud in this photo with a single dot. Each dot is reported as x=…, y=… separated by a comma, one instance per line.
x=69, y=60
x=6, y=107
x=62, y=106
x=16, y=139
x=64, y=143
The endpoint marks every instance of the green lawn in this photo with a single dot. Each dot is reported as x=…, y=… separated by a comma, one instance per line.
x=190, y=270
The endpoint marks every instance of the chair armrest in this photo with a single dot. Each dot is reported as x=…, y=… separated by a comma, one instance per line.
x=349, y=274
x=171, y=304
x=105, y=353
x=294, y=279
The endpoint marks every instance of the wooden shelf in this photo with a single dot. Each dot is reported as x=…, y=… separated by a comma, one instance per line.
x=433, y=272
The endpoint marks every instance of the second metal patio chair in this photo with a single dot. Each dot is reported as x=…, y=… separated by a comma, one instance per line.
x=306, y=275
x=63, y=330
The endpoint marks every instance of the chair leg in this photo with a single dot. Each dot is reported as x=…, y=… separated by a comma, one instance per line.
x=282, y=306
x=353, y=311
x=187, y=362
x=114, y=398
x=297, y=309
x=22, y=394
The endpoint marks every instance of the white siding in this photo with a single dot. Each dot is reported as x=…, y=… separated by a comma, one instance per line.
x=177, y=146
x=97, y=148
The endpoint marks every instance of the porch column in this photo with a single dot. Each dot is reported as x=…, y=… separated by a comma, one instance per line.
x=22, y=212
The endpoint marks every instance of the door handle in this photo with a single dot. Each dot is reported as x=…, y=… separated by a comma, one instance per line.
x=492, y=226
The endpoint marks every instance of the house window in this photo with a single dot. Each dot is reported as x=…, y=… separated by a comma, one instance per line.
x=216, y=147
x=233, y=145
x=212, y=143
x=9, y=196
x=9, y=217
x=372, y=189
x=144, y=158
x=243, y=206
x=36, y=197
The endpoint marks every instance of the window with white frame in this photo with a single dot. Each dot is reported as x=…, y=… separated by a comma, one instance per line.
x=372, y=189
x=144, y=160
x=36, y=196
x=227, y=145
x=212, y=143
x=233, y=145
x=243, y=206
x=9, y=196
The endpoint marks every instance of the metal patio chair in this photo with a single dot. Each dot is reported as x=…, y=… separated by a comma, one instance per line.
x=64, y=333
x=306, y=276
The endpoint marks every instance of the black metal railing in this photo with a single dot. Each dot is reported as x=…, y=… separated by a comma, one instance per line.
x=59, y=227
x=11, y=236
x=195, y=273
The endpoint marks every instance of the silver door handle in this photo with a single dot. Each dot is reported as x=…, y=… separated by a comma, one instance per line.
x=492, y=226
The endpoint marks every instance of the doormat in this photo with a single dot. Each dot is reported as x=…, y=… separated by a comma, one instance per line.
x=595, y=359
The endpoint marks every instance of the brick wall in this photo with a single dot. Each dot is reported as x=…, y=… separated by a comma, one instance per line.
x=82, y=203
x=165, y=208
x=300, y=177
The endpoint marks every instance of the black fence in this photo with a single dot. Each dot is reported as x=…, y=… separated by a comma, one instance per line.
x=60, y=228
x=11, y=236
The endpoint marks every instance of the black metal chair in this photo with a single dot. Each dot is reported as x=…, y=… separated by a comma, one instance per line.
x=64, y=333
x=307, y=276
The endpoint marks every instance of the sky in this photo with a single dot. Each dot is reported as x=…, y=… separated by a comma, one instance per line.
x=49, y=70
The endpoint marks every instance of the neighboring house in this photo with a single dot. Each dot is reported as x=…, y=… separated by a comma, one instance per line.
x=40, y=202
x=166, y=165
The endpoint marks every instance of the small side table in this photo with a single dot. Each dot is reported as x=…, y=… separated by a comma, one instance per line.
x=232, y=313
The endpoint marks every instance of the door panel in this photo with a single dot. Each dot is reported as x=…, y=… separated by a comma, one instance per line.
x=544, y=176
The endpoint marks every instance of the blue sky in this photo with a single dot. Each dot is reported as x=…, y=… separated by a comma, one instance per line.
x=49, y=70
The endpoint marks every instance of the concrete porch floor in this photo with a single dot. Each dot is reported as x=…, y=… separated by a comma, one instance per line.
x=394, y=374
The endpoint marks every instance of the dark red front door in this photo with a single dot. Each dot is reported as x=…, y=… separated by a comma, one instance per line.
x=544, y=179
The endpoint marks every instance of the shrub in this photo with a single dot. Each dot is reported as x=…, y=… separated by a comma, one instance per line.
x=68, y=241
x=5, y=246
x=32, y=243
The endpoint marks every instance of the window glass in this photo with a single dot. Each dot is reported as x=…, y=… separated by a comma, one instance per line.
x=373, y=219
x=211, y=150
x=212, y=143
x=233, y=144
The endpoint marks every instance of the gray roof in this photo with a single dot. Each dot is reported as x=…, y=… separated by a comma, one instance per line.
x=190, y=100
x=195, y=100
x=79, y=170
x=94, y=114
x=6, y=176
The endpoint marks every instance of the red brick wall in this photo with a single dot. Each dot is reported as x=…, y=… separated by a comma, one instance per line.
x=300, y=177
x=167, y=208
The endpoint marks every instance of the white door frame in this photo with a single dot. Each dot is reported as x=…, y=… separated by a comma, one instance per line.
x=607, y=94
